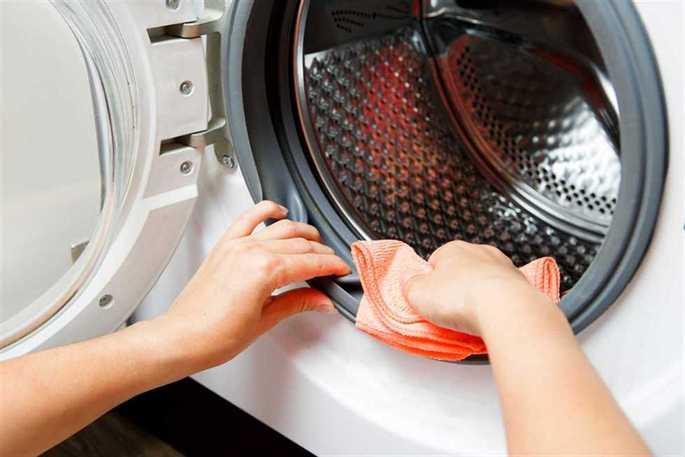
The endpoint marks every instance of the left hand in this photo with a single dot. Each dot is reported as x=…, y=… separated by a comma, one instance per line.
x=229, y=302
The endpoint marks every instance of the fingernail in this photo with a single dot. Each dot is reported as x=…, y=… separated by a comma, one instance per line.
x=283, y=209
x=326, y=306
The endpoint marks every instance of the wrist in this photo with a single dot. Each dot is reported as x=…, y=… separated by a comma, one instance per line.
x=198, y=342
x=171, y=345
x=507, y=301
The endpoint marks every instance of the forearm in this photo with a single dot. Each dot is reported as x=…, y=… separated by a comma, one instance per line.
x=49, y=395
x=553, y=401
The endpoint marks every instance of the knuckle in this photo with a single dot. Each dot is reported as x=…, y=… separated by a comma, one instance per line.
x=455, y=246
x=290, y=228
x=266, y=265
x=266, y=205
x=284, y=223
x=495, y=252
x=314, y=230
x=306, y=305
x=319, y=266
x=302, y=244
x=309, y=303
x=233, y=248
x=243, y=247
x=227, y=244
x=488, y=247
x=448, y=251
x=271, y=262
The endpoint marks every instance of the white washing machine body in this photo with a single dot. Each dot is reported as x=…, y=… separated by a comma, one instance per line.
x=314, y=378
x=321, y=383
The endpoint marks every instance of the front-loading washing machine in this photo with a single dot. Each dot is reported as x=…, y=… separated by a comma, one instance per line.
x=542, y=127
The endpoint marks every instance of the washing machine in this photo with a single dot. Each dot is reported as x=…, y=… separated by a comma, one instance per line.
x=135, y=131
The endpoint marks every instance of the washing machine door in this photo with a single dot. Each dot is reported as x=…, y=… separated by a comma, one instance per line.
x=105, y=117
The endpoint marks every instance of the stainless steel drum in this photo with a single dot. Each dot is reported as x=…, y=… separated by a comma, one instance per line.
x=463, y=120
x=537, y=126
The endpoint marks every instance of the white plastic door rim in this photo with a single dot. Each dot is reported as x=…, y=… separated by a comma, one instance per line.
x=92, y=209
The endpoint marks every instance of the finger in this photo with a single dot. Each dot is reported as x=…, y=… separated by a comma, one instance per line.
x=495, y=253
x=250, y=219
x=293, y=302
x=296, y=246
x=288, y=229
x=301, y=267
x=416, y=289
x=447, y=250
x=420, y=294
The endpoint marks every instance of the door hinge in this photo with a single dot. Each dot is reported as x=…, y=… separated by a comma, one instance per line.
x=210, y=26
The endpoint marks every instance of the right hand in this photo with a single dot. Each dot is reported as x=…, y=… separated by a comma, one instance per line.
x=465, y=280
x=533, y=353
x=230, y=300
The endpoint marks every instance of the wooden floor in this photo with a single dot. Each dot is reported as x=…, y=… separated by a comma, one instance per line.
x=113, y=435
x=183, y=419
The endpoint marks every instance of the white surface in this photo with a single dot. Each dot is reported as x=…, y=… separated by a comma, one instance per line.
x=50, y=172
x=335, y=391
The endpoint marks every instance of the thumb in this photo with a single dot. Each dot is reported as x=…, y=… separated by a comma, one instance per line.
x=415, y=289
x=293, y=302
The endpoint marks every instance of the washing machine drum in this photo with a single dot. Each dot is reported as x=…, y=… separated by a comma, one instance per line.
x=498, y=123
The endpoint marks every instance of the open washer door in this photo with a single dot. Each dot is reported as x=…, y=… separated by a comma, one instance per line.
x=105, y=117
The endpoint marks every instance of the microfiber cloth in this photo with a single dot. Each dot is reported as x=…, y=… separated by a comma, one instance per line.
x=384, y=266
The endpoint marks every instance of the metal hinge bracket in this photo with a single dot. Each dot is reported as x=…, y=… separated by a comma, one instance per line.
x=210, y=26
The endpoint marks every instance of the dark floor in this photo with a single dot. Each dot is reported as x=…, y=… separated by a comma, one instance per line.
x=113, y=435
x=181, y=419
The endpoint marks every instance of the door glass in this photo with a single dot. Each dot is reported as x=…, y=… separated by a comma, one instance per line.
x=51, y=171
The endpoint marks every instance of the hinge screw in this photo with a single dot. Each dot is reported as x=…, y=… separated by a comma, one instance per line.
x=173, y=4
x=105, y=301
x=228, y=161
x=186, y=167
x=186, y=87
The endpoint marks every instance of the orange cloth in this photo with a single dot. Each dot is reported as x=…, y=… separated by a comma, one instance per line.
x=384, y=267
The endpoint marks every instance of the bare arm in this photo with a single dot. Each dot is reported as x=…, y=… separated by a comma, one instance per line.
x=552, y=399
x=47, y=396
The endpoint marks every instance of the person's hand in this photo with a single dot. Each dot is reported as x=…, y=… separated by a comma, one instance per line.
x=229, y=302
x=467, y=279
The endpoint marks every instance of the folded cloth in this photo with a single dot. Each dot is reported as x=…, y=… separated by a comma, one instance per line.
x=384, y=267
